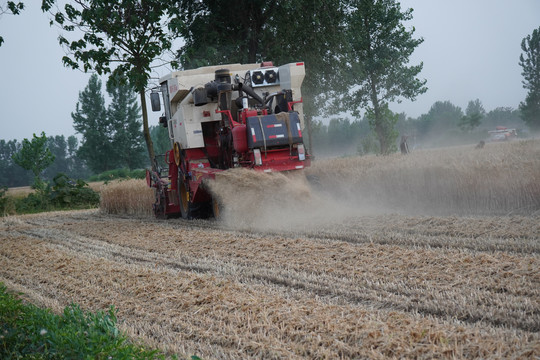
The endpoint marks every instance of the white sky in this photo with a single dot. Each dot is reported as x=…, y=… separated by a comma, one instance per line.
x=471, y=50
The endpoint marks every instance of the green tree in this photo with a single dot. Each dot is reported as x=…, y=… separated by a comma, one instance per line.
x=341, y=136
x=124, y=117
x=383, y=124
x=58, y=147
x=35, y=156
x=65, y=158
x=218, y=31
x=529, y=60
x=77, y=167
x=10, y=8
x=377, y=71
x=441, y=117
x=91, y=121
x=473, y=116
x=129, y=34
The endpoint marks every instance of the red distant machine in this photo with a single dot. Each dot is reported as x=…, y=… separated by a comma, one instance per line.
x=502, y=133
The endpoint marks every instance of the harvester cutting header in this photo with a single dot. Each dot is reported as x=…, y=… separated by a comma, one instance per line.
x=222, y=117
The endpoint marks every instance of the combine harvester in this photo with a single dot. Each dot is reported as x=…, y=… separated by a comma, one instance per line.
x=223, y=117
x=502, y=133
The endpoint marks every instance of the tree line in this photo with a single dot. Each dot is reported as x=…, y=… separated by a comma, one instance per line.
x=111, y=139
x=62, y=149
x=445, y=124
x=356, y=51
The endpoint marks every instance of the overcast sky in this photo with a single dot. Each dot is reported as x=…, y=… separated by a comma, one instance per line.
x=471, y=50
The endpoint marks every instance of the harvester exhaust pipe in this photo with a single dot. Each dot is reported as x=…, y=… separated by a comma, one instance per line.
x=248, y=90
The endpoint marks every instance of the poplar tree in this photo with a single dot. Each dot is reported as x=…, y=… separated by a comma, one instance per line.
x=91, y=121
x=529, y=60
x=377, y=64
x=473, y=116
x=124, y=116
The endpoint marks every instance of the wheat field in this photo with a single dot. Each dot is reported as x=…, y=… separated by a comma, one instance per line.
x=500, y=179
x=303, y=269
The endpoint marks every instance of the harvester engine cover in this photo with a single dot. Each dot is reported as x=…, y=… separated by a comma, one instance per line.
x=274, y=130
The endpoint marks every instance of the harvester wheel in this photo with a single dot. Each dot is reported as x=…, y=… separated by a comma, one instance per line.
x=185, y=203
x=177, y=151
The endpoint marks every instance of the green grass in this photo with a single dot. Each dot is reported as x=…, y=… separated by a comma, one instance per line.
x=28, y=332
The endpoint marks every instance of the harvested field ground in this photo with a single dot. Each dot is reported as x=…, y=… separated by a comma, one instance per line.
x=365, y=286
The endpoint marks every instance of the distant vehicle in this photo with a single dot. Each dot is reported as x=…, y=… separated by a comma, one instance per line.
x=502, y=133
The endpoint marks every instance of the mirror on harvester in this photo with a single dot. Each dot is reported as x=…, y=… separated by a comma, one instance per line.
x=154, y=100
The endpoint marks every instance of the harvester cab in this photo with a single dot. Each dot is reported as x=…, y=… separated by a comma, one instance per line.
x=222, y=117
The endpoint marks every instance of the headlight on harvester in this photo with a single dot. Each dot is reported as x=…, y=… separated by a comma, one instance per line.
x=301, y=152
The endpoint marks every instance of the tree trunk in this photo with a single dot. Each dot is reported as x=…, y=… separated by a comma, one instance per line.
x=378, y=120
x=382, y=139
x=146, y=131
x=379, y=130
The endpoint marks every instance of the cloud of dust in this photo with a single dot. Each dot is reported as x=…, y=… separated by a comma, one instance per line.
x=275, y=201
x=499, y=179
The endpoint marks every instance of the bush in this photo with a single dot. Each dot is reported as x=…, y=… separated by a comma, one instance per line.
x=32, y=203
x=29, y=332
x=67, y=192
x=63, y=193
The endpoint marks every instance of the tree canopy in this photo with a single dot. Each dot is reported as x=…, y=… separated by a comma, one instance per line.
x=112, y=136
x=473, y=116
x=529, y=61
x=34, y=155
x=12, y=174
x=91, y=121
x=357, y=50
x=124, y=116
x=219, y=32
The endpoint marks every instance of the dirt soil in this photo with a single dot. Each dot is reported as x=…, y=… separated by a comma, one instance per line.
x=385, y=286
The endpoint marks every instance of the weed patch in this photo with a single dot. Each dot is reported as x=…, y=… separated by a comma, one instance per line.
x=33, y=333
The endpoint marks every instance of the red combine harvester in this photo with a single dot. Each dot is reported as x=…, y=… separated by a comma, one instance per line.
x=502, y=133
x=223, y=117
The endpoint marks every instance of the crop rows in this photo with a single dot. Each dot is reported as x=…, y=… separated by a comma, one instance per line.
x=368, y=286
